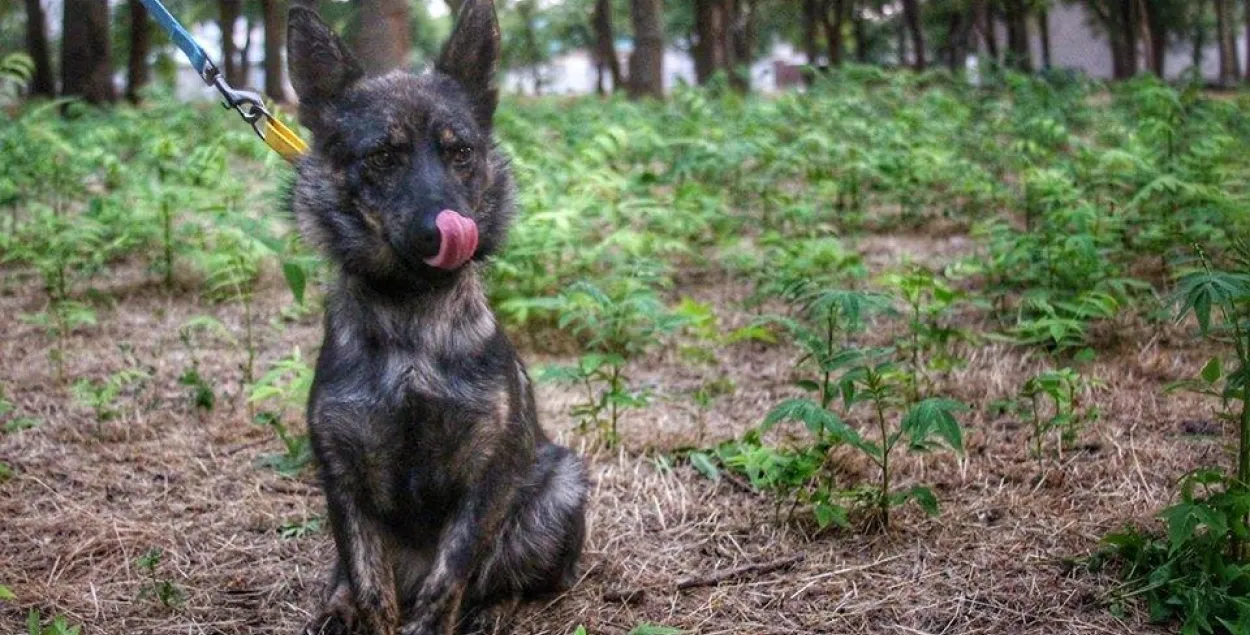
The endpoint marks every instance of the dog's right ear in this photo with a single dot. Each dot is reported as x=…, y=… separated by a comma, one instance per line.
x=321, y=66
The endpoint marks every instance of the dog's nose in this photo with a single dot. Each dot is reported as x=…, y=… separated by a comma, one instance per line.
x=424, y=236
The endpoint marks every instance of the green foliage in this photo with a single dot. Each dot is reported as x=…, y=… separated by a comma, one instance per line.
x=101, y=396
x=297, y=529
x=285, y=388
x=614, y=324
x=58, y=626
x=164, y=591
x=1050, y=402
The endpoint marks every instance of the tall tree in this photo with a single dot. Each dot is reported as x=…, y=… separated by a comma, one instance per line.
x=832, y=18
x=43, y=82
x=1247, y=17
x=86, y=65
x=605, y=46
x=859, y=29
x=911, y=15
x=1155, y=35
x=811, y=31
x=1043, y=34
x=1017, y=17
x=1120, y=20
x=383, y=38
x=275, y=36
x=711, y=41
x=140, y=45
x=646, y=63
x=229, y=15
x=1224, y=36
x=984, y=16
x=743, y=27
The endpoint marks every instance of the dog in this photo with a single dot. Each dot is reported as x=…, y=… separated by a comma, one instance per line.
x=445, y=498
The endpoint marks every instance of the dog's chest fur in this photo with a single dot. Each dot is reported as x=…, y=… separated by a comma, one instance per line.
x=405, y=396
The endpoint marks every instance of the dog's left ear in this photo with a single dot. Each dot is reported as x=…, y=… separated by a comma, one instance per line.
x=471, y=56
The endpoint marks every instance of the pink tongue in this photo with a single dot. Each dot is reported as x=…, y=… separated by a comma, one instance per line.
x=459, y=240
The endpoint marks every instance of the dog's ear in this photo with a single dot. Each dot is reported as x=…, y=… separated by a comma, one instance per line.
x=321, y=66
x=471, y=55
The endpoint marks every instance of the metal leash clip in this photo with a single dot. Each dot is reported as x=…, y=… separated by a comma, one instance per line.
x=249, y=104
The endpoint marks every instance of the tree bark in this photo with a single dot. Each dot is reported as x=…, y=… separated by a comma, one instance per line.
x=911, y=15
x=1018, y=54
x=1043, y=34
x=1156, y=38
x=383, y=39
x=86, y=65
x=740, y=50
x=275, y=40
x=711, y=45
x=229, y=51
x=245, y=53
x=861, y=36
x=646, y=63
x=985, y=24
x=44, y=82
x=140, y=44
x=605, y=45
x=1228, y=56
x=832, y=18
x=811, y=26
x=1247, y=18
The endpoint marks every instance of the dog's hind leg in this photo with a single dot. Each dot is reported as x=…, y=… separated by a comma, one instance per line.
x=538, y=549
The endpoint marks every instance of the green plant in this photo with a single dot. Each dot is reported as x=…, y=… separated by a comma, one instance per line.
x=930, y=302
x=164, y=591
x=6, y=471
x=1199, y=573
x=1053, y=401
x=616, y=323
x=285, y=386
x=58, y=626
x=101, y=396
x=296, y=529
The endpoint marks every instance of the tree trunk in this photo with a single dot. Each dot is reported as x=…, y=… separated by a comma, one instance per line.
x=245, y=53
x=911, y=15
x=1199, y=41
x=985, y=24
x=1247, y=18
x=1223, y=28
x=275, y=37
x=832, y=20
x=1130, y=23
x=229, y=52
x=861, y=36
x=140, y=44
x=1156, y=36
x=646, y=63
x=454, y=6
x=959, y=28
x=712, y=38
x=811, y=26
x=605, y=45
x=44, y=82
x=1018, y=54
x=86, y=67
x=740, y=50
x=1043, y=34
x=382, y=37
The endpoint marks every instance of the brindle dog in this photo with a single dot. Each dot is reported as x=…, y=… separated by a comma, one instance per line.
x=445, y=496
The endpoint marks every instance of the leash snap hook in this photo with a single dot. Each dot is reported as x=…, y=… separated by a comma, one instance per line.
x=249, y=104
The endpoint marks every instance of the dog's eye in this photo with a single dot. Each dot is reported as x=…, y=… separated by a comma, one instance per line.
x=382, y=160
x=461, y=156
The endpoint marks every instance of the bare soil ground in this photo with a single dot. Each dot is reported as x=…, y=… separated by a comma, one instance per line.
x=87, y=499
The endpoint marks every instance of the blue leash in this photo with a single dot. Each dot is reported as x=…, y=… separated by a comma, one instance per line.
x=248, y=104
x=180, y=36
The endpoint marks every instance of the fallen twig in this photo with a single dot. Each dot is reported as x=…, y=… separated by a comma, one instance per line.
x=740, y=572
x=638, y=596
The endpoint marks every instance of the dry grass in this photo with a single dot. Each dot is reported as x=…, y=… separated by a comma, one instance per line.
x=86, y=500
